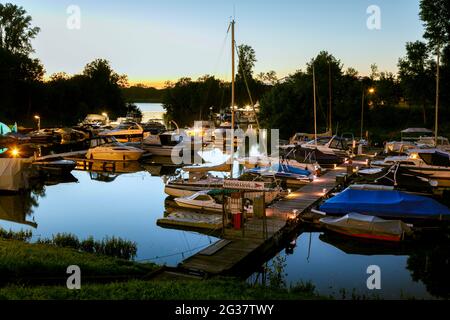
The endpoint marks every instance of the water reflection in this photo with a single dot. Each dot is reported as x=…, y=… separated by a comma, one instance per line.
x=127, y=207
x=18, y=208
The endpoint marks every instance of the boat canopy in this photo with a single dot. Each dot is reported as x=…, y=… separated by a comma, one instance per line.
x=416, y=130
x=4, y=129
x=379, y=203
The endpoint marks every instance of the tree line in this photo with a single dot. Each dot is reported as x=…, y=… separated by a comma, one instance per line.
x=59, y=100
x=398, y=100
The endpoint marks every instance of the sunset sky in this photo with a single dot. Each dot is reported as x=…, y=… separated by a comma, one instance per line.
x=155, y=41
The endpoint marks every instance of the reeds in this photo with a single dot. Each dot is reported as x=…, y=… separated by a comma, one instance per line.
x=109, y=246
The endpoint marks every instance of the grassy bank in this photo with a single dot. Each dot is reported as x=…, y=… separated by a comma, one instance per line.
x=38, y=271
x=24, y=262
x=216, y=289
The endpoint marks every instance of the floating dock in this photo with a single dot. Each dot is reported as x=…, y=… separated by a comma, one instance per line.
x=240, y=251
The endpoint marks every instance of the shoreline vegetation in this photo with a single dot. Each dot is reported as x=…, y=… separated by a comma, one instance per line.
x=38, y=271
x=390, y=101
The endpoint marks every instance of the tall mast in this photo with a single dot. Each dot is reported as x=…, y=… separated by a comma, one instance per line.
x=232, y=75
x=315, y=111
x=436, y=123
x=330, y=124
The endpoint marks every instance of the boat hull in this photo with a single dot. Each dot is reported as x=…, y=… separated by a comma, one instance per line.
x=197, y=207
x=115, y=156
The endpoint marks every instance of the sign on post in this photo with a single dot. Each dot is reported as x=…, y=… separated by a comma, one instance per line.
x=243, y=185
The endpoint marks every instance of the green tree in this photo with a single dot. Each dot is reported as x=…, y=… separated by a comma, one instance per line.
x=16, y=31
x=416, y=76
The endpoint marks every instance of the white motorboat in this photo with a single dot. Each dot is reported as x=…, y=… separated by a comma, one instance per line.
x=181, y=187
x=125, y=132
x=431, y=163
x=334, y=145
x=170, y=144
x=164, y=144
x=200, y=201
x=108, y=148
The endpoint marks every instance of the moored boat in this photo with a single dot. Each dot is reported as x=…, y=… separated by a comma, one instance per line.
x=367, y=227
x=200, y=201
x=108, y=148
x=390, y=204
x=125, y=132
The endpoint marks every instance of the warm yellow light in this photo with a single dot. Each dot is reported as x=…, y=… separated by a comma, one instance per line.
x=37, y=117
x=371, y=90
x=15, y=152
x=105, y=114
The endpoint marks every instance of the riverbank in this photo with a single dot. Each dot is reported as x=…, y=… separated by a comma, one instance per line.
x=38, y=271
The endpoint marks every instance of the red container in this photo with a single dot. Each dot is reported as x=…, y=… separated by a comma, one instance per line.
x=237, y=220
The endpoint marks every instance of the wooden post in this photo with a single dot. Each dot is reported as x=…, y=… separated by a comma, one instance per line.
x=264, y=216
x=242, y=214
x=223, y=212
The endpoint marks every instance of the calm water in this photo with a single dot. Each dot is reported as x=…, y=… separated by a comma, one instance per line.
x=149, y=106
x=333, y=263
x=128, y=206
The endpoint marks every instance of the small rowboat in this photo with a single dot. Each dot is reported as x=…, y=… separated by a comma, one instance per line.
x=368, y=227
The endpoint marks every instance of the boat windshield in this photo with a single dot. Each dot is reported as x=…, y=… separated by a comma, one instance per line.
x=436, y=159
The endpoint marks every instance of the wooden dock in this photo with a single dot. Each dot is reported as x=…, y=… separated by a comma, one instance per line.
x=254, y=243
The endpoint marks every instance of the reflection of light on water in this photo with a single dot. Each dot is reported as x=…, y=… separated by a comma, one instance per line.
x=215, y=156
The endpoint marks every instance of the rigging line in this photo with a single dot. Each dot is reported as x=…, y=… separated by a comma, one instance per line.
x=248, y=89
x=172, y=254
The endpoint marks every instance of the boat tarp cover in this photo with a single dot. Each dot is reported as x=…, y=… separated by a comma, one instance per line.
x=384, y=204
x=13, y=176
x=357, y=223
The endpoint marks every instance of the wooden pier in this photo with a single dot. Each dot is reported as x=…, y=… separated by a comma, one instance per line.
x=240, y=250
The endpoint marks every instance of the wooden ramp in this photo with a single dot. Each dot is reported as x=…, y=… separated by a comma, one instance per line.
x=307, y=196
x=249, y=244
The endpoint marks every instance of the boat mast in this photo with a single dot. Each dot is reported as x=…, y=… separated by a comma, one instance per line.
x=330, y=128
x=232, y=75
x=436, y=123
x=315, y=111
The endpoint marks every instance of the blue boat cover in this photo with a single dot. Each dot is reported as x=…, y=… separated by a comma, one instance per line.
x=382, y=203
x=280, y=168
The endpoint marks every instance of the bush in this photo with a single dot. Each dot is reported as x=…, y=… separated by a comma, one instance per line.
x=88, y=245
x=66, y=240
x=21, y=235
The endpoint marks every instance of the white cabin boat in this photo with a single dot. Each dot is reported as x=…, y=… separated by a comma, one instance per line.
x=108, y=148
x=200, y=201
x=125, y=132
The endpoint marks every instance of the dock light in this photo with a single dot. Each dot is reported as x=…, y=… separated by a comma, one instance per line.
x=38, y=119
x=371, y=90
x=15, y=152
x=289, y=190
x=324, y=191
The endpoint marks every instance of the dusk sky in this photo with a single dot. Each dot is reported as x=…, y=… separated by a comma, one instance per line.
x=155, y=41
